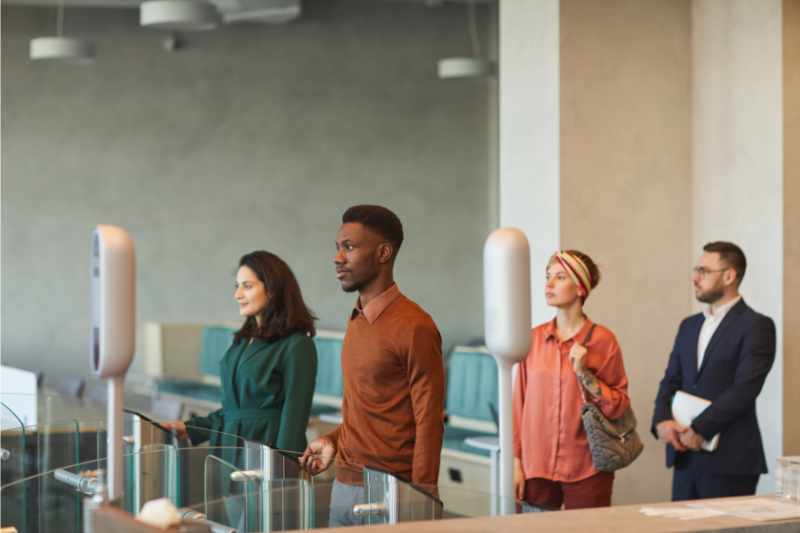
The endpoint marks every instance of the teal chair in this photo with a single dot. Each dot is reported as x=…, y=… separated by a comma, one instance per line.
x=471, y=388
x=216, y=341
x=329, y=387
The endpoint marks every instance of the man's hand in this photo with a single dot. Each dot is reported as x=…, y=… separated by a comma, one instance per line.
x=318, y=455
x=690, y=439
x=519, y=479
x=670, y=431
x=576, y=355
x=178, y=427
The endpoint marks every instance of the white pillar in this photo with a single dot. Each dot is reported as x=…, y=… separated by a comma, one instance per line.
x=737, y=167
x=529, y=131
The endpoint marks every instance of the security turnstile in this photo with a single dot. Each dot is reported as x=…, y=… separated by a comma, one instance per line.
x=390, y=500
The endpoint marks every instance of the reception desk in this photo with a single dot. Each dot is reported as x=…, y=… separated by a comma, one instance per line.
x=618, y=519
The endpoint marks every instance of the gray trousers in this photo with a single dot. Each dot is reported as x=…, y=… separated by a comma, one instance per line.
x=343, y=498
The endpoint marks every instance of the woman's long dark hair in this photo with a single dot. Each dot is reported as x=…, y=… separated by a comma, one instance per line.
x=285, y=312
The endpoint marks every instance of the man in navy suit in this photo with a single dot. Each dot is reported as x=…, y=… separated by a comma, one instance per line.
x=723, y=355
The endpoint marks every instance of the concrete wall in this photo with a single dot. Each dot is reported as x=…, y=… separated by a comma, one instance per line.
x=626, y=188
x=737, y=165
x=791, y=225
x=252, y=137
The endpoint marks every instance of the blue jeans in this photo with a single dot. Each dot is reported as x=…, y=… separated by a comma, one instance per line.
x=343, y=498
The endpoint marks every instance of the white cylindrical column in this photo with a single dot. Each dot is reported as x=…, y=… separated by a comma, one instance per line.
x=507, y=324
x=113, y=297
x=114, y=459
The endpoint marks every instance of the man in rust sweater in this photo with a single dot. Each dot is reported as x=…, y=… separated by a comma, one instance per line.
x=393, y=406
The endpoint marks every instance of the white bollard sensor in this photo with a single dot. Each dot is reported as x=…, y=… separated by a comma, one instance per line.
x=113, y=332
x=507, y=328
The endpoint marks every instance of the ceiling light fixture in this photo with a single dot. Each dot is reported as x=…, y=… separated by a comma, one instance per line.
x=467, y=67
x=60, y=48
x=181, y=15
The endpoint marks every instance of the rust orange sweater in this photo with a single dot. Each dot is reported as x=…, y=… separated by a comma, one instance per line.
x=393, y=405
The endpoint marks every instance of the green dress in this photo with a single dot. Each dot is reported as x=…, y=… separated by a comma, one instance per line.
x=267, y=388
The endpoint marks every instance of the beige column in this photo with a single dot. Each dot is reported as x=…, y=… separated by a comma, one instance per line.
x=626, y=188
x=791, y=226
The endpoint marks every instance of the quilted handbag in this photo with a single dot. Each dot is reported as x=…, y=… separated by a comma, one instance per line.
x=614, y=443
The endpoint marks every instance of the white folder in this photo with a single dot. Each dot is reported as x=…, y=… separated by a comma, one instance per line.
x=685, y=408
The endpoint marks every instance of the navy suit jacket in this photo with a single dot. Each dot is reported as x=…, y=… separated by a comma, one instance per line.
x=735, y=365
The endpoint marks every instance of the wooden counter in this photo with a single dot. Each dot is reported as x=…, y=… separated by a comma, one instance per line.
x=618, y=519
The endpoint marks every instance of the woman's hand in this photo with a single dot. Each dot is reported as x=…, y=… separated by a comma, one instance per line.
x=178, y=427
x=318, y=455
x=519, y=479
x=576, y=357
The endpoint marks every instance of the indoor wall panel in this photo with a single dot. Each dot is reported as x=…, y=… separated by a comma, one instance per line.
x=791, y=226
x=625, y=103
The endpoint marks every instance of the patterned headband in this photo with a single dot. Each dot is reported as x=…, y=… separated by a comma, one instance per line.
x=576, y=269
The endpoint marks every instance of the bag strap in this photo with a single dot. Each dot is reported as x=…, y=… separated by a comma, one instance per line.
x=585, y=344
x=589, y=335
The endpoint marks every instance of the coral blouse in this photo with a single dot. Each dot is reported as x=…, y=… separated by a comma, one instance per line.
x=548, y=433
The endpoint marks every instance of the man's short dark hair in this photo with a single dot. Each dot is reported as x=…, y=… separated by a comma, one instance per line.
x=731, y=255
x=379, y=219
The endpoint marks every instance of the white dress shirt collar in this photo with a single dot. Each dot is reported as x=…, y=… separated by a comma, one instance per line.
x=710, y=325
x=721, y=310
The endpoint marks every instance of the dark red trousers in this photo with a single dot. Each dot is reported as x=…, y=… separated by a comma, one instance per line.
x=593, y=491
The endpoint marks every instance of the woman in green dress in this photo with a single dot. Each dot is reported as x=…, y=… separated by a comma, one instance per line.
x=269, y=371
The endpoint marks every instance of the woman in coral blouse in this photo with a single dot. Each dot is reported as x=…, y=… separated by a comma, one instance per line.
x=552, y=462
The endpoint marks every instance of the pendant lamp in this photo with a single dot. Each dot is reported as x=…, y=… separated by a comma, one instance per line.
x=61, y=48
x=181, y=15
x=467, y=67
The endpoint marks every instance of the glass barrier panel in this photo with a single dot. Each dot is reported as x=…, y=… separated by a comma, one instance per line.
x=288, y=504
x=379, y=498
x=49, y=501
x=274, y=464
x=189, y=473
x=62, y=443
x=415, y=502
x=46, y=407
x=319, y=505
x=212, y=482
x=214, y=439
x=44, y=447
x=13, y=446
x=231, y=496
x=150, y=474
x=54, y=500
x=391, y=500
x=55, y=407
x=282, y=505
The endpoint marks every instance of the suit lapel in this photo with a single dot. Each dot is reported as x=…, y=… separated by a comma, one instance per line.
x=253, y=349
x=731, y=318
x=234, y=358
x=694, y=335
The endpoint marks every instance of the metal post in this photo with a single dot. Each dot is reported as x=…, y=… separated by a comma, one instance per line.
x=506, y=438
x=114, y=438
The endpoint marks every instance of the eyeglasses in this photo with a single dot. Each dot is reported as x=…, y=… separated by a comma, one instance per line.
x=702, y=272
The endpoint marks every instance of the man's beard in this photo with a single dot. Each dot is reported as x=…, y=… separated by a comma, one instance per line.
x=357, y=285
x=711, y=295
x=351, y=288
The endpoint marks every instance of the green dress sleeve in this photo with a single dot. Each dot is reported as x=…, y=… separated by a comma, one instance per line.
x=212, y=421
x=215, y=421
x=299, y=377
